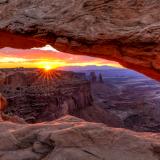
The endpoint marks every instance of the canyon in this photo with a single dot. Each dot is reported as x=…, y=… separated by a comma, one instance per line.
x=40, y=124
x=124, y=31
x=131, y=96
x=36, y=96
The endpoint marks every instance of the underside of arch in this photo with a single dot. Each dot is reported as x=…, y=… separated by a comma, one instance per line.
x=125, y=31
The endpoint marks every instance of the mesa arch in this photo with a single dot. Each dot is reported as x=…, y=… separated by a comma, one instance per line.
x=125, y=31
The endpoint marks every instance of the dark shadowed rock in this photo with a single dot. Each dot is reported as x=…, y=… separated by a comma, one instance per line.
x=4, y=1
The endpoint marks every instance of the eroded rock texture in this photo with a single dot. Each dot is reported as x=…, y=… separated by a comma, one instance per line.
x=36, y=99
x=126, y=31
x=37, y=96
x=71, y=138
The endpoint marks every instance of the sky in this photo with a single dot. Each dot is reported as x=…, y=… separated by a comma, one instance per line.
x=46, y=57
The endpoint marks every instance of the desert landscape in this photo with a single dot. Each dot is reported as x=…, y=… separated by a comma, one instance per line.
x=66, y=88
x=46, y=107
x=127, y=95
x=133, y=97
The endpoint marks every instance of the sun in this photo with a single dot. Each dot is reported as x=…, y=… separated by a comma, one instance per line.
x=48, y=67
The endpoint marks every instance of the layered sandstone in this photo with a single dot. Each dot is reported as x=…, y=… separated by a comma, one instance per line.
x=36, y=99
x=125, y=31
x=38, y=96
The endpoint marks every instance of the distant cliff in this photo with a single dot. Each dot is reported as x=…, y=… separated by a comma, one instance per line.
x=38, y=97
x=39, y=100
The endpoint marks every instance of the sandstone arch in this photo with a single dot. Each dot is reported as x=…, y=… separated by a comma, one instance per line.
x=126, y=31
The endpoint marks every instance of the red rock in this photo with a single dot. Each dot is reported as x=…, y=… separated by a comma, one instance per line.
x=125, y=31
x=72, y=138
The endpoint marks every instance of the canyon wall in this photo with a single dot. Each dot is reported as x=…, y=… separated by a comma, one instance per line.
x=38, y=100
x=39, y=106
x=126, y=31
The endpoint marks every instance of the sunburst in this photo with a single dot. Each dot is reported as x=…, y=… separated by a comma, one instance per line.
x=48, y=75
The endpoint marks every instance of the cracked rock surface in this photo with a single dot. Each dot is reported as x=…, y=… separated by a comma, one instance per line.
x=126, y=31
x=71, y=138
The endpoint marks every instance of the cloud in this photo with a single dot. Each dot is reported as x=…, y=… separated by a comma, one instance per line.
x=36, y=56
x=47, y=48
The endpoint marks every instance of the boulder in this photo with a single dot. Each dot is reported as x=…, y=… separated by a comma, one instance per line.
x=71, y=138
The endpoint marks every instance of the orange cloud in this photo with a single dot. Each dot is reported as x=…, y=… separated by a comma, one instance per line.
x=39, y=57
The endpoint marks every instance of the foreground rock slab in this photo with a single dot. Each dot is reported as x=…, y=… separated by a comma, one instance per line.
x=126, y=31
x=71, y=138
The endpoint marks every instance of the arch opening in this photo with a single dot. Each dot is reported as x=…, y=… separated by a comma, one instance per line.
x=141, y=57
x=124, y=98
x=123, y=31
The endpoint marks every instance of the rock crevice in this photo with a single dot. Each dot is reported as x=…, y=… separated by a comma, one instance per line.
x=74, y=138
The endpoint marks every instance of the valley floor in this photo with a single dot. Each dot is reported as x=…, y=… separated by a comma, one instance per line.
x=135, y=101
